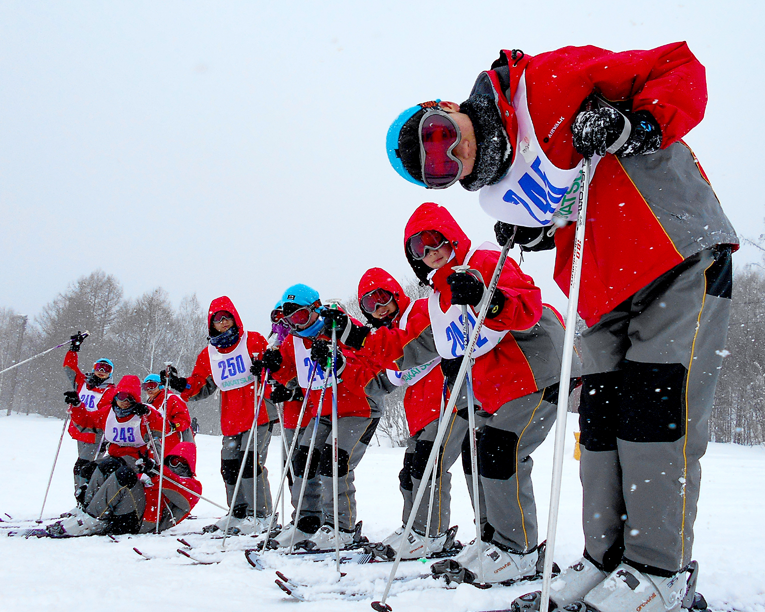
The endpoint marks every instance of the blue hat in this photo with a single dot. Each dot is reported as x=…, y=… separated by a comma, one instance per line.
x=154, y=378
x=302, y=295
x=392, y=139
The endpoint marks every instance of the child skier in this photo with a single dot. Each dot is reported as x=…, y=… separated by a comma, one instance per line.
x=656, y=279
x=225, y=364
x=178, y=420
x=91, y=389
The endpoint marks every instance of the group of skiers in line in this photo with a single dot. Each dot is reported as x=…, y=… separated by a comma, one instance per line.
x=655, y=295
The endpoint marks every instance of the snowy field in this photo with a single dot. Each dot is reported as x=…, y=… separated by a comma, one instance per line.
x=96, y=573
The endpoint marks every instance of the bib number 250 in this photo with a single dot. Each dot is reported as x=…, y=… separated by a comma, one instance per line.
x=233, y=366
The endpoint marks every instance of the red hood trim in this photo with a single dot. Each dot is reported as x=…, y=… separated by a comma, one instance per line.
x=224, y=303
x=377, y=278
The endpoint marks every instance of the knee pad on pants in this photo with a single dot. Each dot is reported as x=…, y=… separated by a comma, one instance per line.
x=301, y=458
x=229, y=469
x=405, y=475
x=126, y=477
x=84, y=468
x=496, y=453
x=343, y=461
x=109, y=466
x=599, y=410
x=420, y=458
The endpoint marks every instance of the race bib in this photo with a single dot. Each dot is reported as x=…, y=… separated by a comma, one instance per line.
x=231, y=370
x=123, y=434
x=90, y=397
x=303, y=365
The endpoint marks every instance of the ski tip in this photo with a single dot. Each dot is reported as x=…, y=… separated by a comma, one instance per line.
x=182, y=552
x=282, y=576
x=253, y=559
x=379, y=606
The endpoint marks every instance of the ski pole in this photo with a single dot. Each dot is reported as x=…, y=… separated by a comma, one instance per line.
x=85, y=334
x=162, y=456
x=311, y=446
x=55, y=460
x=565, y=381
x=280, y=494
x=254, y=427
x=382, y=606
x=472, y=435
x=335, y=476
x=435, y=465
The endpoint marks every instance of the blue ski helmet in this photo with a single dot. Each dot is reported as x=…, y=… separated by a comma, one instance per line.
x=392, y=141
x=154, y=378
x=300, y=294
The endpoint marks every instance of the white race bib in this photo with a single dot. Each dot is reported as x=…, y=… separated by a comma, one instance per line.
x=90, y=397
x=448, y=327
x=534, y=190
x=231, y=370
x=412, y=375
x=303, y=365
x=123, y=434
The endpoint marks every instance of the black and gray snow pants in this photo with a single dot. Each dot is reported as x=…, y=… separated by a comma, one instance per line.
x=651, y=366
x=354, y=435
x=231, y=458
x=115, y=494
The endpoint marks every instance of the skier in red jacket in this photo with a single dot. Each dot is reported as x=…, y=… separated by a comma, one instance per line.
x=656, y=278
x=386, y=306
x=225, y=364
x=114, y=498
x=178, y=419
x=91, y=388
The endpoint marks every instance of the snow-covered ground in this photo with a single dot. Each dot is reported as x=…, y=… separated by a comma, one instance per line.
x=96, y=573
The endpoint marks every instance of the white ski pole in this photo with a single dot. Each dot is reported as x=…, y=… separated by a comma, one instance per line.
x=55, y=460
x=335, y=450
x=472, y=434
x=85, y=334
x=382, y=606
x=164, y=435
x=254, y=426
x=311, y=446
x=280, y=494
x=565, y=381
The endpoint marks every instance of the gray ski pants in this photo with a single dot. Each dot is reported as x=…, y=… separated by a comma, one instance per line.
x=115, y=494
x=354, y=435
x=505, y=441
x=651, y=366
x=232, y=455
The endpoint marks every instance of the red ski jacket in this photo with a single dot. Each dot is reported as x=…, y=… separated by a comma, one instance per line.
x=104, y=390
x=527, y=358
x=646, y=213
x=99, y=418
x=178, y=419
x=175, y=499
x=237, y=406
x=422, y=400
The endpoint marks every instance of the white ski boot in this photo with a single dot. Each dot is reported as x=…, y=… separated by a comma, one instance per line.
x=394, y=539
x=499, y=565
x=418, y=546
x=285, y=538
x=75, y=526
x=324, y=539
x=626, y=588
x=574, y=583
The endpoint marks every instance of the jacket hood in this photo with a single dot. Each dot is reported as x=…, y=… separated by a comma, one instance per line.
x=130, y=384
x=432, y=216
x=188, y=452
x=223, y=303
x=377, y=278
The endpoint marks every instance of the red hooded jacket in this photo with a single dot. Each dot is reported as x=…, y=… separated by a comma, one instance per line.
x=422, y=401
x=98, y=420
x=179, y=501
x=528, y=358
x=178, y=418
x=237, y=406
x=646, y=213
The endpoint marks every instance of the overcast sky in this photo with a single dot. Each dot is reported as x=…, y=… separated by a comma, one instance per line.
x=238, y=147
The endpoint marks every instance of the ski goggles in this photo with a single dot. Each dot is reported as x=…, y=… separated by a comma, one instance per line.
x=421, y=244
x=296, y=316
x=374, y=299
x=124, y=396
x=150, y=386
x=439, y=134
x=277, y=314
x=222, y=315
x=102, y=366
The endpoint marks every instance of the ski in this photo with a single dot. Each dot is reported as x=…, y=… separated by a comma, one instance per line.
x=143, y=555
x=358, y=557
x=196, y=559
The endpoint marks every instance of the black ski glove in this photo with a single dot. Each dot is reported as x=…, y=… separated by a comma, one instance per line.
x=527, y=238
x=140, y=409
x=466, y=288
x=175, y=382
x=280, y=393
x=320, y=354
x=271, y=361
x=71, y=398
x=605, y=129
x=348, y=332
x=76, y=341
x=92, y=380
x=145, y=464
x=450, y=369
